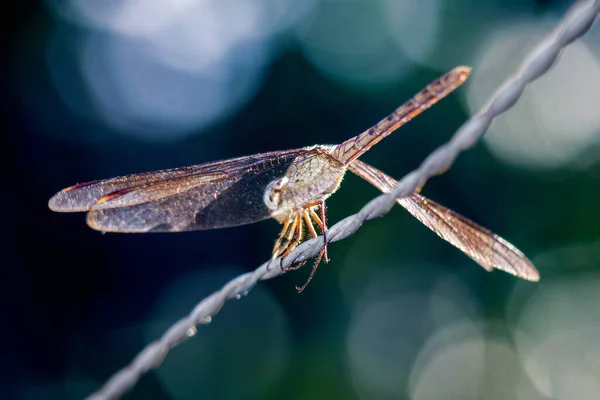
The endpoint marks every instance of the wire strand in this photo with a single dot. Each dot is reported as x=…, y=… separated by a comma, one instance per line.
x=574, y=24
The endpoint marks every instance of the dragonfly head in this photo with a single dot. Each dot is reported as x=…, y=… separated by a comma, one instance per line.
x=272, y=197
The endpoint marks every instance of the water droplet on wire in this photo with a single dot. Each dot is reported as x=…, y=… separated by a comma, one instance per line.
x=191, y=331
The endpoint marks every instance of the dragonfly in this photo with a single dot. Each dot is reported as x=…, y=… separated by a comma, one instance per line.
x=290, y=186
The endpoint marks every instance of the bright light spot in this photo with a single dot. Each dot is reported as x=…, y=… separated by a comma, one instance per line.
x=462, y=306
x=165, y=69
x=350, y=42
x=146, y=18
x=451, y=365
x=557, y=331
x=132, y=17
x=225, y=28
x=457, y=27
x=458, y=362
x=142, y=96
x=557, y=119
x=389, y=326
x=188, y=33
x=253, y=332
x=383, y=342
x=591, y=40
x=415, y=26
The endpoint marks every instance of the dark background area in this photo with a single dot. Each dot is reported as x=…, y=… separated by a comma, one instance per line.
x=397, y=313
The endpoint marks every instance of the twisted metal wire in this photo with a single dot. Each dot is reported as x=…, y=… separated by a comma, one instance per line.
x=574, y=24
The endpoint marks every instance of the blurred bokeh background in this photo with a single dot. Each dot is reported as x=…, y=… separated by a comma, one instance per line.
x=96, y=89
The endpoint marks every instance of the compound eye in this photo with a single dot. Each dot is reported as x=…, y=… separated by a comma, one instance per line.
x=272, y=197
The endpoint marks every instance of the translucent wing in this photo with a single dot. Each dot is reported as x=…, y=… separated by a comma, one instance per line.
x=353, y=148
x=213, y=195
x=484, y=247
x=83, y=196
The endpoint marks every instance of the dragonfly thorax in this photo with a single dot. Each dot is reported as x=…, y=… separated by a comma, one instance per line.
x=311, y=178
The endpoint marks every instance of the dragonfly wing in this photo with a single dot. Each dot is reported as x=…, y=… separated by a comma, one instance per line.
x=208, y=196
x=83, y=196
x=483, y=246
x=215, y=201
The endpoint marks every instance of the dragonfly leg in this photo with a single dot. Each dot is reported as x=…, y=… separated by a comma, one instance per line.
x=284, y=230
x=309, y=224
x=290, y=240
x=282, y=249
x=304, y=217
x=306, y=214
x=312, y=273
x=324, y=221
x=322, y=224
x=297, y=238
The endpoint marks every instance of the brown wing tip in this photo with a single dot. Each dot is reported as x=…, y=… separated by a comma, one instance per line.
x=92, y=221
x=462, y=72
x=53, y=203
x=69, y=200
x=97, y=220
x=61, y=202
x=531, y=275
x=525, y=268
x=527, y=272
